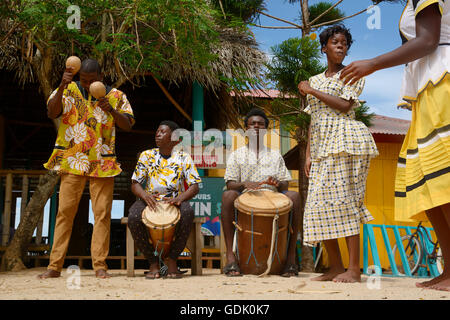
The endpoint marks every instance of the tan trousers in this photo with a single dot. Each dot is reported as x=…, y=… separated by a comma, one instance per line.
x=71, y=190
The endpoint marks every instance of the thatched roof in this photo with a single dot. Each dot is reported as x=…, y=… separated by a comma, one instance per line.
x=237, y=57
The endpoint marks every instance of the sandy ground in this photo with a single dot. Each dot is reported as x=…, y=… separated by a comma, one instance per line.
x=82, y=285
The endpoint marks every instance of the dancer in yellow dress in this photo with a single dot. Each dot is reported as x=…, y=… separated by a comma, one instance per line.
x=423, y=172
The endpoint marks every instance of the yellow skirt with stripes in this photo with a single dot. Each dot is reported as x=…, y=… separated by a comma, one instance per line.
x=423, y=171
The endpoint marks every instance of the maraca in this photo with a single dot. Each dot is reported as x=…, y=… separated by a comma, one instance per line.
x=97, y=90
x=73, y=62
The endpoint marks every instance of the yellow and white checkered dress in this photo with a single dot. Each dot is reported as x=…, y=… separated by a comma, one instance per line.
x=341, y=148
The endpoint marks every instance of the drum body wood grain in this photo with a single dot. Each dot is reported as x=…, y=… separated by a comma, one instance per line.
x=255, y=225
x=161, y=225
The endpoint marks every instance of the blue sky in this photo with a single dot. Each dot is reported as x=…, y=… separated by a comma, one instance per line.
x=383, y=87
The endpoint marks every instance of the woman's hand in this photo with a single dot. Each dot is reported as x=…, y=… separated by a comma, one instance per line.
x=307, y=167
x=304, y=88
x=356, y=70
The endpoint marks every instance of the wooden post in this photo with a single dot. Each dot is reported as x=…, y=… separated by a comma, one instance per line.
x=130, y=248
x=24, y=201
x=198, y=114
x=52, y=218
x=130, y=253
x=198, y=247
x=2, y=198
x=2, y=139
x=7, y=211
x=223, y=258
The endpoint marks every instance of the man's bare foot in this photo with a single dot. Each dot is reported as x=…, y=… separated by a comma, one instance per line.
x=153, y=273
x=329, y=275
x=349, y=276
x=102, y=274
x=232, y=267
x=49, y=274
x=172, y=269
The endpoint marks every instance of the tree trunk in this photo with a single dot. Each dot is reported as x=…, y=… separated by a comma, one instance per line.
x=305, y=18
x=13, y=258
x=42, y=66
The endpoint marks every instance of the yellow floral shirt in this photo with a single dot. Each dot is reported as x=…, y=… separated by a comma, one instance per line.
x=165, y=177
x=85, y=143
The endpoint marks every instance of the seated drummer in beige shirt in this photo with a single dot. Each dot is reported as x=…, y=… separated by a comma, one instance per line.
x=247, y=169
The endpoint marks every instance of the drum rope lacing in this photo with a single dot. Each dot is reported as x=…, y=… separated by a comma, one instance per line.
x=251, y=244
x=274, y=241
x=163, y=268
x=237, y=234
x=273, y=244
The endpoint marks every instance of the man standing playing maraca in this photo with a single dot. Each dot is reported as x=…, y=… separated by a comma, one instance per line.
x=85, y=151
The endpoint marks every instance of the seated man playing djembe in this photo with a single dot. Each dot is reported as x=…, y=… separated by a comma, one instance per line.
x=164, y=171
x=252, y=167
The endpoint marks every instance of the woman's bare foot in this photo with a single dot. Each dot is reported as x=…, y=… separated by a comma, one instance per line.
x=443, y=285
x=349, y=276
x=329, y=275
x=49, y=274
x=426, y=284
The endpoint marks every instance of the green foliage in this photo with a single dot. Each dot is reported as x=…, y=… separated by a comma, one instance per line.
x=288, y=111
x=362, y=114
x=131, y=36
x=243, y=9
x=317, y=9
x=294, y=60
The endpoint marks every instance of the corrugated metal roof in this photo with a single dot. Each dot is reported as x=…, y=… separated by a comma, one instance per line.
x=267, y=94
x=388, y=125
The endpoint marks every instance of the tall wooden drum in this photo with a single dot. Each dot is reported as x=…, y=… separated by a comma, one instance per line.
x=161, y=225
x=262, y=226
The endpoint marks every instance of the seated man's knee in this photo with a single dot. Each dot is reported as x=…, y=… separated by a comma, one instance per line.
x=229, y=196
x=294, y=196
x=135, y=212
x=187, y=212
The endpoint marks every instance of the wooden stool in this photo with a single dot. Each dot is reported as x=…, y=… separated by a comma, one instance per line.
x=194, y=244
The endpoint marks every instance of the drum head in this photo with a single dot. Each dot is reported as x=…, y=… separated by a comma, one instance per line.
x=165, y=215
x=263, y=202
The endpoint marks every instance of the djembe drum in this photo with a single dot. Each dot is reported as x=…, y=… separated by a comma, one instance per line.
x=263, y=225
x=161, y=225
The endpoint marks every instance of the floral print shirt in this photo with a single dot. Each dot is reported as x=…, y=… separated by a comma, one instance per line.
x=85, y=143
x=165, y=177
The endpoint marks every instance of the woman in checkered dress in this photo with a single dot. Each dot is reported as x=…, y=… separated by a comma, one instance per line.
x=338, y=157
